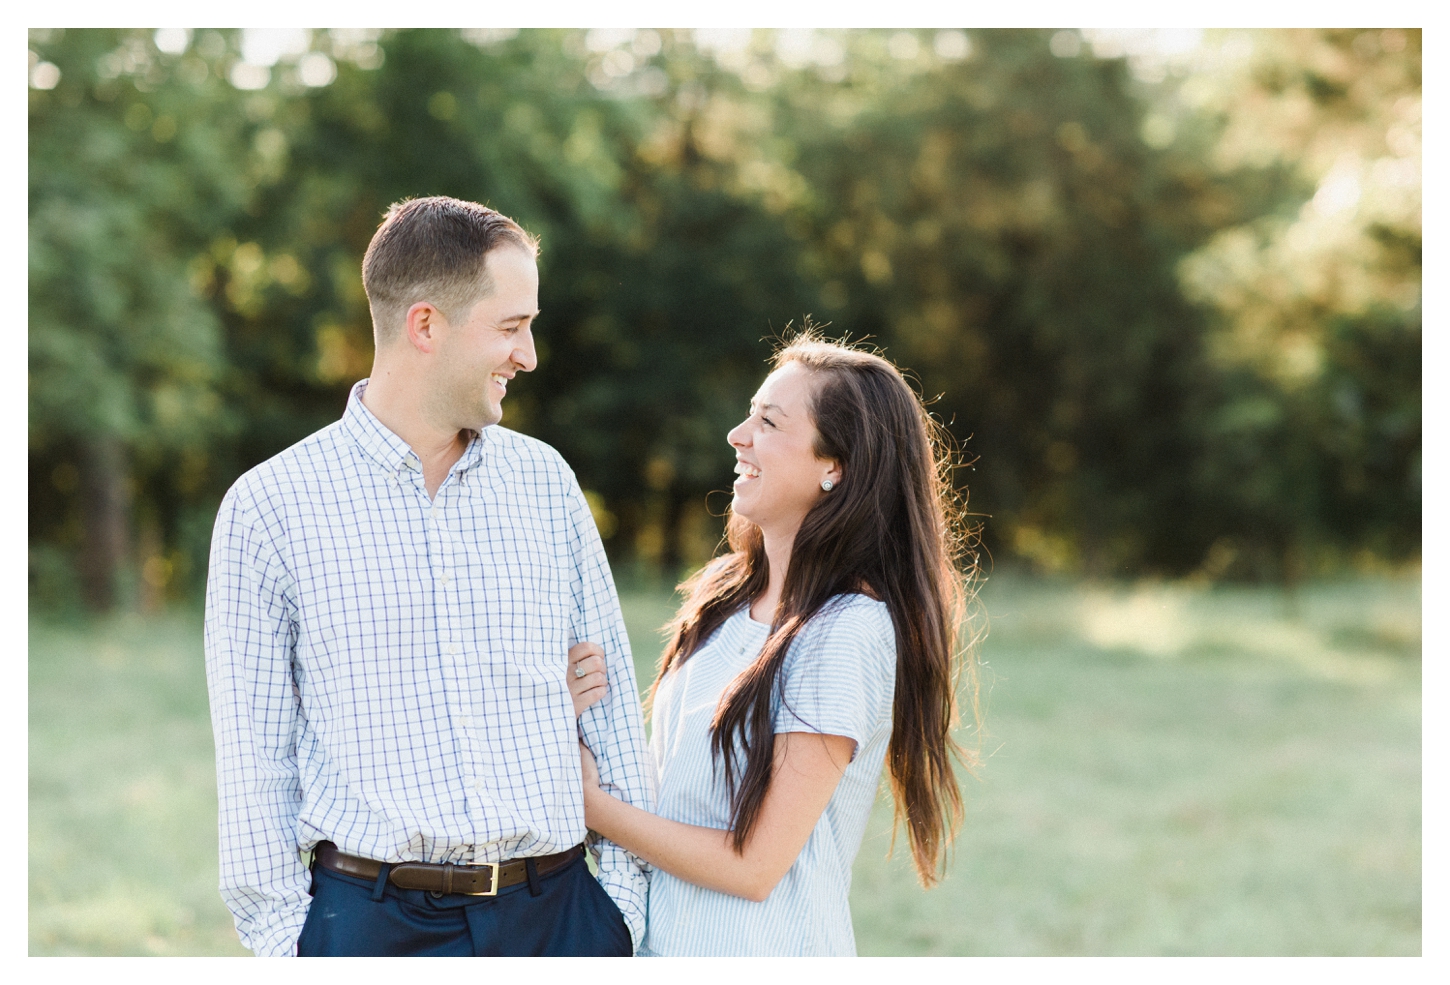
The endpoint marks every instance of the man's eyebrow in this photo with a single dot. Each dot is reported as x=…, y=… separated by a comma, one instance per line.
x=520, y=317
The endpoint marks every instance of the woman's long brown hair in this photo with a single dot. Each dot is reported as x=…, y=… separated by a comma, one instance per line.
x=891, y=528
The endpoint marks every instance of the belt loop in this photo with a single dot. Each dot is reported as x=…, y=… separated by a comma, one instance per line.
x=532, y=870
x=384, y=869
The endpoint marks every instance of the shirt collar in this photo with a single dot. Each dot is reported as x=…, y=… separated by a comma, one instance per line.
x=386, y=448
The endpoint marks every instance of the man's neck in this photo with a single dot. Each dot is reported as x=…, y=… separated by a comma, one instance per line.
x=391, y=399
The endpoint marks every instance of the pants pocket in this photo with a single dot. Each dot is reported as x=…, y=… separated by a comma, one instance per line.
x=609, y=916
x=304, y=939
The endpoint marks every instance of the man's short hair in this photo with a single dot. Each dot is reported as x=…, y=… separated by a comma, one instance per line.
x=434, y=249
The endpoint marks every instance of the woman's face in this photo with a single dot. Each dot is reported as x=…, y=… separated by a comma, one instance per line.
x=779, y=474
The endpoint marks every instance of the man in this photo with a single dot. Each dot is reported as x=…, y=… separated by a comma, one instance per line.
x=391, y=605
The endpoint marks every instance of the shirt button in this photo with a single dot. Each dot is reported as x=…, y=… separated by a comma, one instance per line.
x=411, y=462
x=445, y=578
x=452, y=648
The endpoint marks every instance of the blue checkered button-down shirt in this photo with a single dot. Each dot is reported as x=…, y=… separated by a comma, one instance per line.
x=386, y=672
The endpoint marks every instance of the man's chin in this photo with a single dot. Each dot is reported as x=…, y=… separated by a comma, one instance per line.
x=489, y=417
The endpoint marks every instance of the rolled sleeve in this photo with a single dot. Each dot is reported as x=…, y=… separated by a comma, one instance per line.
x=614, y=727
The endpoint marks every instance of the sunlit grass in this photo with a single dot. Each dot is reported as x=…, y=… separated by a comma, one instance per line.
x=123, y=792
x=1168, y=770
x=1171, y=770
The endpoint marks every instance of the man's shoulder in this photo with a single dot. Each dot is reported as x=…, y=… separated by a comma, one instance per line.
x=518, y=449
x=294, y=466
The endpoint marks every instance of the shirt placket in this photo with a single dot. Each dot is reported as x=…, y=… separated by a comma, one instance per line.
x=443, y=519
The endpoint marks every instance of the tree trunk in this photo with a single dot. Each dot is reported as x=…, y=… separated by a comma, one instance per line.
x=671, y=556
x=106, y=506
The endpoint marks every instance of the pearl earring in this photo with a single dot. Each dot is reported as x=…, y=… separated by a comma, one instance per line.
x=827, y=485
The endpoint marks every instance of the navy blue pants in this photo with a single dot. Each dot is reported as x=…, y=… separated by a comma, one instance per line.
x=572, y=915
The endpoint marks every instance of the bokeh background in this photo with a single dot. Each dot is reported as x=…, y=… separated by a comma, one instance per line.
x=1162, y=286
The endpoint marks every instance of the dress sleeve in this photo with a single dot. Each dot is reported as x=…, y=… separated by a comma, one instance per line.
x=839, y=675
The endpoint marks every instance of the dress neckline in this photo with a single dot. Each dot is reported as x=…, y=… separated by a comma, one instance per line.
x=751, y=620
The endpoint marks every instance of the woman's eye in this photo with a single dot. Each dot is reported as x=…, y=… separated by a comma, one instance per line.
x=767, y=420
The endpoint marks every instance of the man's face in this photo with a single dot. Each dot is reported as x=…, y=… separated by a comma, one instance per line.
x=478, y=356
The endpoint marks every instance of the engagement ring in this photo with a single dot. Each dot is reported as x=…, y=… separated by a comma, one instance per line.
x=578, y=670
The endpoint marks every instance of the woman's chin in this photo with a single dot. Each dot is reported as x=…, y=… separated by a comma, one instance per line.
x=741, y=507
x=751, y=512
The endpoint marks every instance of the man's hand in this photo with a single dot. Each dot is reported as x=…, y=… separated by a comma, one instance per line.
x=586, y=677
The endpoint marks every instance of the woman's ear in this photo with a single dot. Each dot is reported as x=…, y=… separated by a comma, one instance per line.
x=832, y=474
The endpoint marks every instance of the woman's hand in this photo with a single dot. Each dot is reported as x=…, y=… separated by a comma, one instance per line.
x=585, y=676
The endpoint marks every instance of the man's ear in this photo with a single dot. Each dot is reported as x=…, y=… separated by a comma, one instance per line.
x=423, y=326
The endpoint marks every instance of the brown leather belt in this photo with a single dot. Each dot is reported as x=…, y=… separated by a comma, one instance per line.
x=478, y=879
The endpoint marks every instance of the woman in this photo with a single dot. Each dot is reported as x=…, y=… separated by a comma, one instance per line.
x=822, y=645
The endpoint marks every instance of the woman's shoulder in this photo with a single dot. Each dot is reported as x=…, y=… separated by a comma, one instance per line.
x=856, y=607
x=845, y=655
x=853, y=617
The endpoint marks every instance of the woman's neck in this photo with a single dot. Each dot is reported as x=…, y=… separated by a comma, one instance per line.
x=777, y=557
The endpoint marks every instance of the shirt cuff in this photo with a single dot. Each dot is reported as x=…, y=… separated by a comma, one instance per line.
x=278, y=940
x=626, y=884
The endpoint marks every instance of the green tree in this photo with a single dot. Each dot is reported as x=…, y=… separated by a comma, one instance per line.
x=997, y=222
x=130, y=169
x=1315, y=442
x=1175, y=315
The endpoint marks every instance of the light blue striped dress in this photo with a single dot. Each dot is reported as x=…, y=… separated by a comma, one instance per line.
x=839, y=679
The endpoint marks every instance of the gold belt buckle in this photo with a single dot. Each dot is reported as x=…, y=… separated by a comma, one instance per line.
x=493, y=891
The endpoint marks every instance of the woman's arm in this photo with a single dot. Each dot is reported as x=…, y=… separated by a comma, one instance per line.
x=807, y=768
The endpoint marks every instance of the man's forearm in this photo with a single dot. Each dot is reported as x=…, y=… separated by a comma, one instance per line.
x=627, y=885
x=263, y=880
x=263, y=927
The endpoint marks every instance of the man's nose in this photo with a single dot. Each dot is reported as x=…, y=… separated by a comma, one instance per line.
x=524, y=353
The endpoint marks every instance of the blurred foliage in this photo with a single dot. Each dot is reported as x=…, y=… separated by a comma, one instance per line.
x=1171, y=307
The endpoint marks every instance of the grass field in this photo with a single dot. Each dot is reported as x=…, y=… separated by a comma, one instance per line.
x=1167, y=770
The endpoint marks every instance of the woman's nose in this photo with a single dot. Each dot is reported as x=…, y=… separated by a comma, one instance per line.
x=738, y=435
